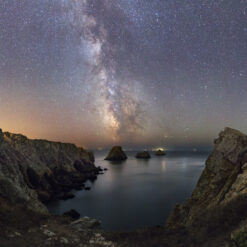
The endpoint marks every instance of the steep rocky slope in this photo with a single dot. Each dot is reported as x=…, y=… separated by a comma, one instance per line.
x=40, y=169
x=217, y=206
x=223, y=179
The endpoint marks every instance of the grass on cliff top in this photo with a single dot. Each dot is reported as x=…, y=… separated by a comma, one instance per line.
x=14, y=216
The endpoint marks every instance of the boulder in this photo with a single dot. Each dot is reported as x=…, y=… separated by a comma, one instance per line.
x=100, y=169
x=85, y=223
x=143, y=155
x=73, y=214
x=160, y=152
x=116, y=154
x=66, y=196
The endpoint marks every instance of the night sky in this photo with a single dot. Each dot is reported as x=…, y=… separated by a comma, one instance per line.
x=138, y=73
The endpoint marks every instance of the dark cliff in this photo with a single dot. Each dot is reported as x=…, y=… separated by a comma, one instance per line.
x=40, y=169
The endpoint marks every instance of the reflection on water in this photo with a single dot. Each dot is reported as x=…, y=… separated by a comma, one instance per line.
x=115, y=162
x=163, y=164
x=137, y=193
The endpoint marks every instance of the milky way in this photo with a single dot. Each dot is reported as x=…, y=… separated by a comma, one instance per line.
x=130, y=72
x=121, y=110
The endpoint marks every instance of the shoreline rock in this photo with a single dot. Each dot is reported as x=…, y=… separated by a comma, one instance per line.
x=85, y=223
x=66, y=196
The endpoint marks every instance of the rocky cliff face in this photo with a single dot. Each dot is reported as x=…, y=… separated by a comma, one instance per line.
x=39, y=169
x=222, y=183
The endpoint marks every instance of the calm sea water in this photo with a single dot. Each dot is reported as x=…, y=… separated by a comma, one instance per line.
x=137, y=193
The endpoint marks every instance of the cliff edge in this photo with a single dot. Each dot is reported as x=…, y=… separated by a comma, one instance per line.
x=217, y=206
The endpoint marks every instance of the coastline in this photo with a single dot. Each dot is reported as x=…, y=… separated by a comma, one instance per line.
x=200, y=221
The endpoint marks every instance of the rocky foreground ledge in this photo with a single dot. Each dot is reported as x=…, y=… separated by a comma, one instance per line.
x=214, y=215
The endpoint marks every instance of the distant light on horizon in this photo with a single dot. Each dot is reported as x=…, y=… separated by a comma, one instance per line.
x=159, y=148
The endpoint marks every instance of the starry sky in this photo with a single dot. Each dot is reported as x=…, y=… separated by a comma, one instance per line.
x=136, y=73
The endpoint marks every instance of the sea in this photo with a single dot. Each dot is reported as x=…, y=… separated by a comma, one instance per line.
x=137, y=193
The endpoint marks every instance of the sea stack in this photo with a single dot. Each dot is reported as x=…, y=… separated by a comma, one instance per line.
x=143, y=155
x=116, y=154
x=160, y=152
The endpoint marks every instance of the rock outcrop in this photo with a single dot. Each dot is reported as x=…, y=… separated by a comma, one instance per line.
x=73, y=214
x=143, y=155
x=86, y=223
x=222, y=186
x=116, y=154
x=38, y=169
x=160, y=152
